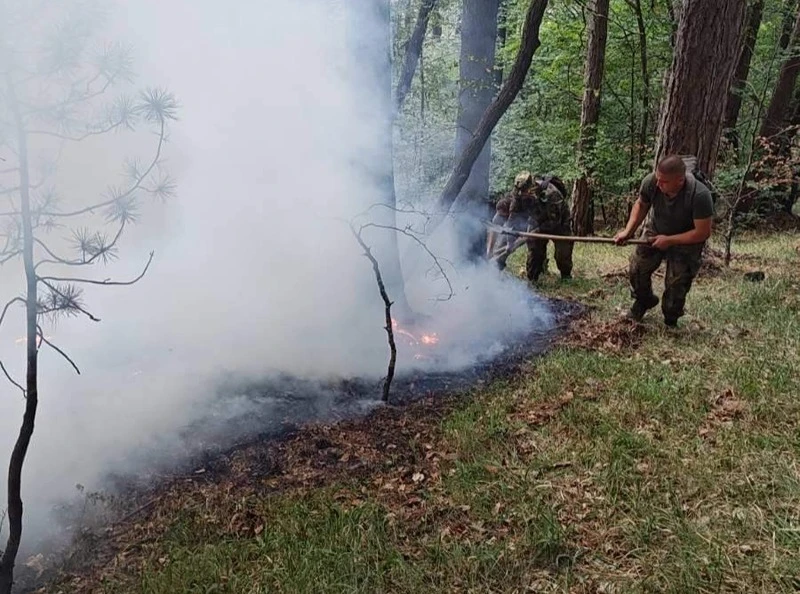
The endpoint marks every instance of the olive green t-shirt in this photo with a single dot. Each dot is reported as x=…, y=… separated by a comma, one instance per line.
x=671, y=216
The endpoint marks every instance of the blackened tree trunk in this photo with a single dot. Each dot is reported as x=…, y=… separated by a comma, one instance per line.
x=706, y=51
x=734, y=104
x=413, y=52
x=511, y=87
x=582, y=212
x=20, y=451
x=778, y=107
x=369, y=34
x=477, y=89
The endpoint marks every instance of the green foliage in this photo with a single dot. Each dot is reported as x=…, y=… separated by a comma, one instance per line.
x=540, y=130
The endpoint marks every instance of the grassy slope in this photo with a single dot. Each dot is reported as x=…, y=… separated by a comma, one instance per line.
x=669, y=465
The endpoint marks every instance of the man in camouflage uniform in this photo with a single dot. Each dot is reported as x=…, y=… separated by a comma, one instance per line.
x=550, y=214
x=679, y=210
x=533, y=205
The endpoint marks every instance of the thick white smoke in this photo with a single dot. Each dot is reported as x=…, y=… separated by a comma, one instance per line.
x=255, y=271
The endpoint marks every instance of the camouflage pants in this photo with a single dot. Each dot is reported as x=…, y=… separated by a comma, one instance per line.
x=537, y=255
x=683, y=264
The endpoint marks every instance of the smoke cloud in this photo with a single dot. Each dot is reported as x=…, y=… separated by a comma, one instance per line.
x=256, y=272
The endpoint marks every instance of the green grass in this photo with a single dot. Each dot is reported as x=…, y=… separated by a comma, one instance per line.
x=590, y=471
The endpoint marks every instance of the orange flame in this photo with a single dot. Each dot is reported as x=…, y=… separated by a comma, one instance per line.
x=414, y=341
x=429, y=338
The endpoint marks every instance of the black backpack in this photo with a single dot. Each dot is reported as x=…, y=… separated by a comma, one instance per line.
x=556, y=181
x=699, y=175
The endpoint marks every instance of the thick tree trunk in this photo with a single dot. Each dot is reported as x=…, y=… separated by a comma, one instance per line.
x=511, y=87
x=582, y=223
x=477, y=88
x=413, y=52
x=20, y=451
x=734, y=104
x=778, y=107
x=370, y=38
x=706, y=51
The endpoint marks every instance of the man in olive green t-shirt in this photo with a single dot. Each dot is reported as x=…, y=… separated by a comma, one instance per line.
x=680, y=210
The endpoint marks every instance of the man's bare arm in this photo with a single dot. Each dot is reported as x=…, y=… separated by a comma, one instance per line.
x=638, y=213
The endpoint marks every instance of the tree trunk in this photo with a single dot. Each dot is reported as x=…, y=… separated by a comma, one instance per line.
x=789, y=12
x=502, y=38
x=20, y=451
x=511, y=87
x=370, y=38
x=582, y=222
x=413, y=52
x=477, y=88
x=706, y=50
x=734, y=104
x=777, y=110
x=644, y=128
x=674, y=8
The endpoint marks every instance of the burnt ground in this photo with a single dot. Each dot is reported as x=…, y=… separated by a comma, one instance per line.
x=316, y=433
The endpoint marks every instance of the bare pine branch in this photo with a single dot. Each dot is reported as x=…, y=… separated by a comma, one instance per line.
x=105, y=282
x=44, y=340
x=12, y=380
x=97, y=132
x=8, y=305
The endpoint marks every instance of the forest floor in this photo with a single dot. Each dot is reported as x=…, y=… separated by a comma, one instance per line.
x=629, y=458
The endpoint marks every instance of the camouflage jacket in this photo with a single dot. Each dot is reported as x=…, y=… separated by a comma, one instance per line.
x=546, y=210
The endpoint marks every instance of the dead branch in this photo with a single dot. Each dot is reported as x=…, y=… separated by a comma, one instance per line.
x=429, y=216
x=73, y=100
x=105, y=282
x=84, y=136
x=56, y=349
x=11, y=379
x=9, y=304
x=436, y=261
x=387, y=311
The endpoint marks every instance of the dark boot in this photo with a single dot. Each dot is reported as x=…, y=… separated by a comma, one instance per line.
x=639, y=308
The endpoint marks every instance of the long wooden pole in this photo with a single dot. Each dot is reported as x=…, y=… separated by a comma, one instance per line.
x=530, y=235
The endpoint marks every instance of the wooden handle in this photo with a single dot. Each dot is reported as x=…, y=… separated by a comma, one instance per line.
x=575, y=238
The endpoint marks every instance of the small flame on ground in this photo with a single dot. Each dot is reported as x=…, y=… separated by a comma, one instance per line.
x=414, y=341
x=429, y=338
